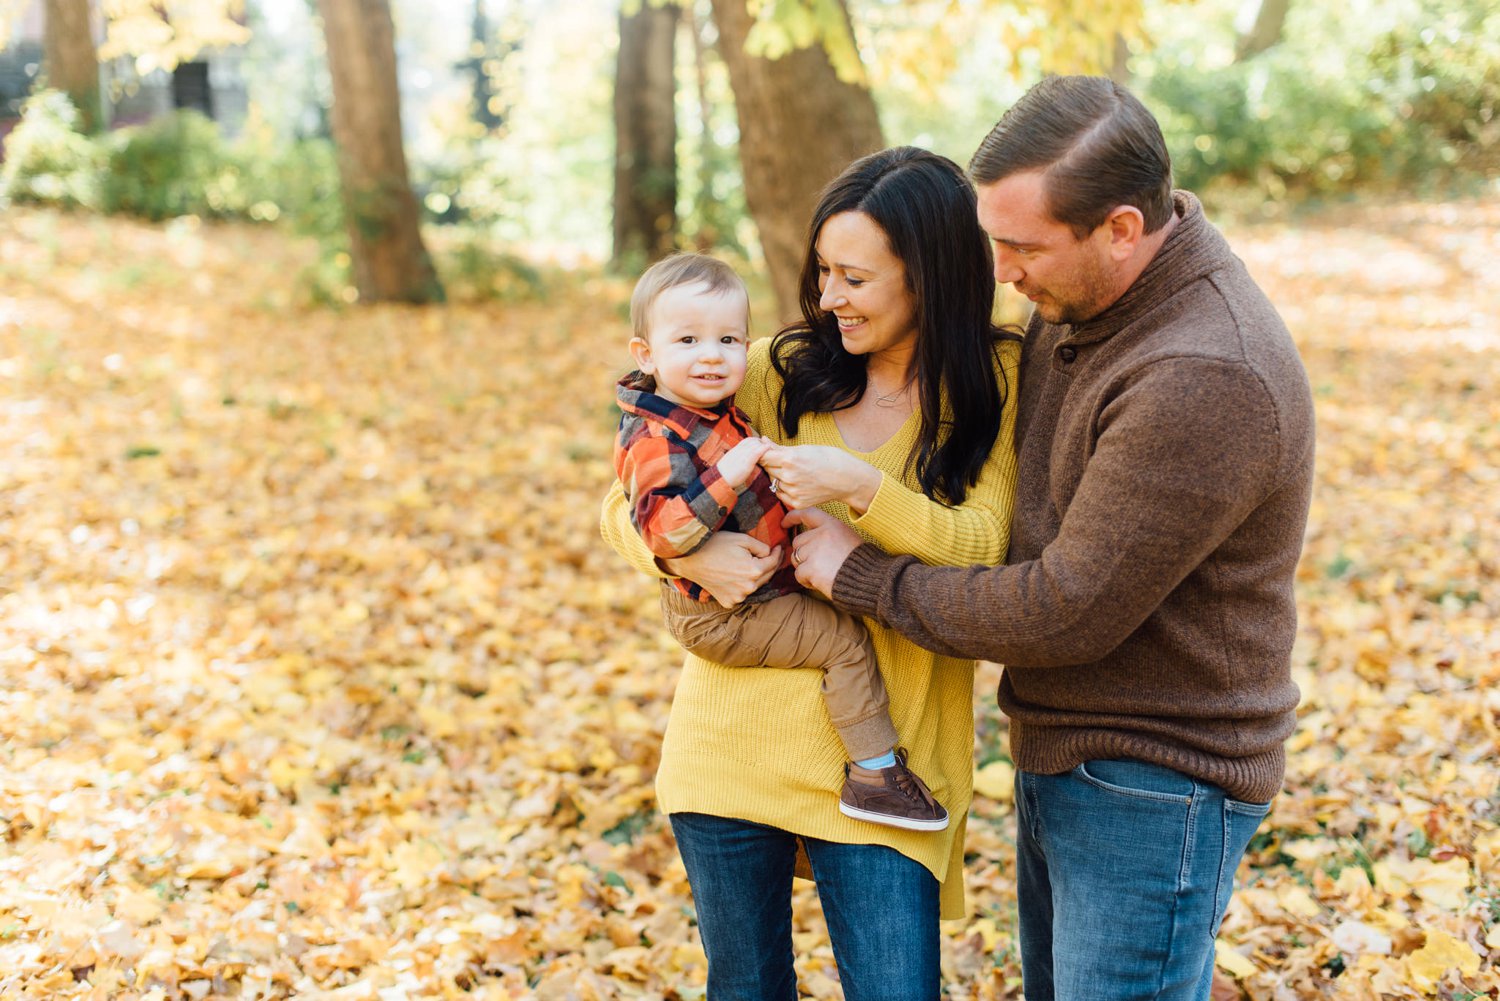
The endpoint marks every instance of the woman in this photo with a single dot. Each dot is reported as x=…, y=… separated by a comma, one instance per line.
x=892, y=404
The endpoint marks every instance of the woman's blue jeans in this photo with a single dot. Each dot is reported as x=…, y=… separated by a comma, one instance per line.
x=1123, y=871
x=881, y=909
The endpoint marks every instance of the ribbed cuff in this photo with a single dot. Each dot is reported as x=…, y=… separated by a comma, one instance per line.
x=856, y=589
x=869, y=738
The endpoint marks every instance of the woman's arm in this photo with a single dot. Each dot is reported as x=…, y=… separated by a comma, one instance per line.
x=896, y=517
x=906, y=522
x=903, y=520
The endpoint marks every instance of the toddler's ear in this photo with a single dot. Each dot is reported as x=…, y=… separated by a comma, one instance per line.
x=640, y=350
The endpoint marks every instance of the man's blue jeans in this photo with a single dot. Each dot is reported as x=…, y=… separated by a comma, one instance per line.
x=881, y=908
x=1123, y=871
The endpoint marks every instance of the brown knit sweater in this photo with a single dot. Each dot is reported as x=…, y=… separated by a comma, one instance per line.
x=1165, y=454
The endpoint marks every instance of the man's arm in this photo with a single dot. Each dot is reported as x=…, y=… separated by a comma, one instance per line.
x=1185, y=452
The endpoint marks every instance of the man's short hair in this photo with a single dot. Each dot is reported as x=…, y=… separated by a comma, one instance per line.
x=1097, y=146
x=675, y=270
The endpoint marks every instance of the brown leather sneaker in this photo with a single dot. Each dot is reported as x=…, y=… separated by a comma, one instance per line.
x=892, y=796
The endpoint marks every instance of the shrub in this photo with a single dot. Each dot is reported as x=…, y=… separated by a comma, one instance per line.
x=172, y=166
x=466, y=182
x=295, y=183
x=473, y=268
x=47, y=160
x=1449, y=63
x=1402, y=94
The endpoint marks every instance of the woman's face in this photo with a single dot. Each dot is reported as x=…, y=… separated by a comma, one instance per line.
x=863, y=284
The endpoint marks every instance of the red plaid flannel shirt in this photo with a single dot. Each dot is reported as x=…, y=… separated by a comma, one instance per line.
x=665, y=455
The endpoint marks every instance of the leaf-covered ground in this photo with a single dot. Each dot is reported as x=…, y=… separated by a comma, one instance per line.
x=316, y=681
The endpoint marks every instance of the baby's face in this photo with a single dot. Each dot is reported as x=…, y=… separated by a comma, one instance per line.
x=696, y=345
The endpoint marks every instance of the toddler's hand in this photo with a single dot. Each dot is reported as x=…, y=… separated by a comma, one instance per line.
x=738, y=464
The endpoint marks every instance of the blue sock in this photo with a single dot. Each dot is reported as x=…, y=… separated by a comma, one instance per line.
x=886, y=760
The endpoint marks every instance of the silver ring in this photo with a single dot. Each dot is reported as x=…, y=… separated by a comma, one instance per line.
x=774, y=484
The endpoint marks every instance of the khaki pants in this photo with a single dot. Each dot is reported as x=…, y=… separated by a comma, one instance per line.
x=795, y=630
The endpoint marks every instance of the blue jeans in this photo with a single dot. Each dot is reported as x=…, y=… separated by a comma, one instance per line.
x=1123, y=871
x=881, y=908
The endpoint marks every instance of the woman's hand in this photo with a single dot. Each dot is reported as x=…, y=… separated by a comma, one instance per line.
x=820, y=549
x=729, y=566
x=809, y=475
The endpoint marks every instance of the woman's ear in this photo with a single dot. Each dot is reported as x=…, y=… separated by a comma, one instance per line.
x=640, y=350
x=1126, y=226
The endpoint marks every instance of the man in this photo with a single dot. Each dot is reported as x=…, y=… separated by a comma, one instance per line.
x=1145, y=616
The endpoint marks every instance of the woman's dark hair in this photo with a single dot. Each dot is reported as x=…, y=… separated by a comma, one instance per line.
x=927, y=208
x=1096, y=144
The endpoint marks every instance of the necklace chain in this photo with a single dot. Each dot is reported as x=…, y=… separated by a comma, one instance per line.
x=893, y=398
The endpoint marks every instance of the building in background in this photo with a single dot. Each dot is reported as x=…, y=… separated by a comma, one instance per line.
x=213, y=83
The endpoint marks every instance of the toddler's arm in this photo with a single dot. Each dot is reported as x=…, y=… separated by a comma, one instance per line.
x=738, y=464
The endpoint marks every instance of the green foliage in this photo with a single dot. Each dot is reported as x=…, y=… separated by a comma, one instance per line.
x=297, y=184
x=465, y=182
x=1407, y=97
x=173, y=166
x=1448, y=63
x=294, y=182
x=468, y=188
x=473, y=267
x=180, y=165
x=783, y=26
x=47, y=160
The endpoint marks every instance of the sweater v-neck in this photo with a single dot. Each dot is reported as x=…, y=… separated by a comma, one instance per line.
x=899, y=433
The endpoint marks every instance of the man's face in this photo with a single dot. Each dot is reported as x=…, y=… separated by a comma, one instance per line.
x=1070, y=280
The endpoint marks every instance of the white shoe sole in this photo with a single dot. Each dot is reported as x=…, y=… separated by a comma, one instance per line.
x=889, y=821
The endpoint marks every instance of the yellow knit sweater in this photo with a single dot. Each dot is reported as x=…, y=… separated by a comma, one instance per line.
x=756, y=743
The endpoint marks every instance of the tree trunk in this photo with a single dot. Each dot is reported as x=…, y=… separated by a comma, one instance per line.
x=1266, y=32
x=480, y=46
x=645, y=137
x=69, y=60
x=1119, y=68
x=800, y=126
x=385, y=241
x=708, y=234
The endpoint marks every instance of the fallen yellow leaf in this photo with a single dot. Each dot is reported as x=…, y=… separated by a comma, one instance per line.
x=1295, y=900
x=1442, y=953
x=996, y=781
x=1232, y=962
x=1443, y=884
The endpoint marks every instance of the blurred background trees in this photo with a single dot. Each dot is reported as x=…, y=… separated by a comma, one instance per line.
x=69, y=60
x=645, y=106
x=526, y=134
x=389, y=260
x=801, y=120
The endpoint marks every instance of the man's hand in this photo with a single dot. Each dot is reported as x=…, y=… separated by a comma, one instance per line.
x=729, y=566
x=821, y=548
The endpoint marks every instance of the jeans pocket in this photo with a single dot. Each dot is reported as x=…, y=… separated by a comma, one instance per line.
x=1241, y=820
x=1254, y=811
x=1138, y=780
